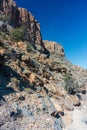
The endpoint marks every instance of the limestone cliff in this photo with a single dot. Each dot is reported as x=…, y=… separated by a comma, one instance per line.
x=18, y=17
x=54, y=48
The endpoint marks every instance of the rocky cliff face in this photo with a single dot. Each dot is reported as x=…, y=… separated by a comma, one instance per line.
x=54, y=48
x=20, y=17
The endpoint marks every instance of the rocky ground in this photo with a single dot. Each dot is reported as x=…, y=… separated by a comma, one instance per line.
x=39, y=88
x=28, y=110
x=79, y=116
x=33, y=94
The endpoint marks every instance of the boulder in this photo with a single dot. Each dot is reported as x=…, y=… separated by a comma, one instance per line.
x=32, y=77
x=75, y=100
x=35, y=80
x=60, y=92
x=57, y=106
x=26, y=58
x=67, y=104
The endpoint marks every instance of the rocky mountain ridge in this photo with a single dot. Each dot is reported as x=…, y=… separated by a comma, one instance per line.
x=20, y=17
x=39, y=90
x=54, y=48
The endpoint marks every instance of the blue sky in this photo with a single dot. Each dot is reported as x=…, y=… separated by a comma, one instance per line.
x=63, y=21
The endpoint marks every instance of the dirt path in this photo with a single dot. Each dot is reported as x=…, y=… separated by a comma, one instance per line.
x=79, y=116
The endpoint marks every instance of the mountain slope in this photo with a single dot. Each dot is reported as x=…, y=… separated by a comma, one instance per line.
x=39, y=87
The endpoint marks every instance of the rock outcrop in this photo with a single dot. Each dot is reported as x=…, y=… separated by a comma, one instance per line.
x=54, y=48
x=20, y=17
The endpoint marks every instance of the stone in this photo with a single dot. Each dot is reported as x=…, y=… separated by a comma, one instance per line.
x=60, y=92
x=25, y=58
x=16, y=115
x=42, y=56
x=32, y=77
x=26, y=71
x=67, y=104
x=39, y=89
x=83, y=91
x=21, y=98
x=75, y=100
x=57, y=106
x=35, y=80
x=22, y=45
x=54, y=48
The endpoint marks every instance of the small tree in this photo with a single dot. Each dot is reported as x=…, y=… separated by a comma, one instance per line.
x=3, y=18
x=70, y=85
x=18, y=34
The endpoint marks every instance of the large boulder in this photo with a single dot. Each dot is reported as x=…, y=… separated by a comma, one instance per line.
x=57, y=106
x=75, y=100
x=67, y=104
x=35, y=80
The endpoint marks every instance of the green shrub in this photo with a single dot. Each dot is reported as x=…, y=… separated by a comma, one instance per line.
x=3, y=18
x=70, y=85
x=29, y=47
x=3, y=34
x=18, y=34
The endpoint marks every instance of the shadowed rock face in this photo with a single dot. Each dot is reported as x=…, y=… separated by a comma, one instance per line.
x=20, y=17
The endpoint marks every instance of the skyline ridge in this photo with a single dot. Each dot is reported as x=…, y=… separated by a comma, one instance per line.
x=63, y=22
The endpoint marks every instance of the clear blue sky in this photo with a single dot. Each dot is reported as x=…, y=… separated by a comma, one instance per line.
x=63, y=21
